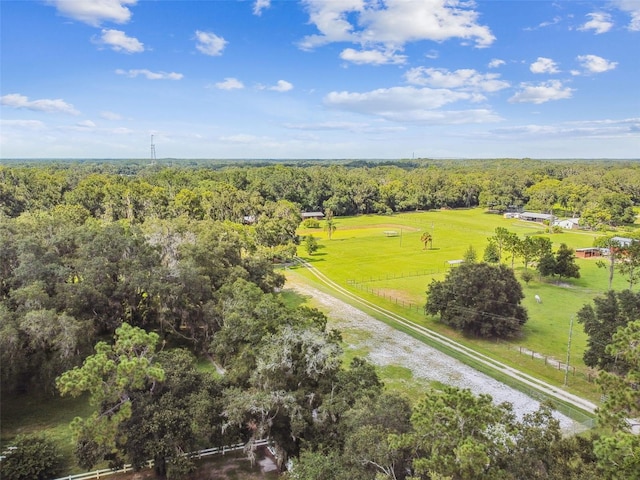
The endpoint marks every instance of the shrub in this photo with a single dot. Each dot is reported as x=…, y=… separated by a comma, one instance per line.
x=34, y=458
x=311, y=223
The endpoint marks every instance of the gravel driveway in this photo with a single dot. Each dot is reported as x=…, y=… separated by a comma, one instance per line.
x=388, y=346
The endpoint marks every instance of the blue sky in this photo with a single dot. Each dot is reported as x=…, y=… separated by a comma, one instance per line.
x=320, y=79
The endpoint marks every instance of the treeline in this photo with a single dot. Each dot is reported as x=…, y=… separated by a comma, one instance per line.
x=603, y=193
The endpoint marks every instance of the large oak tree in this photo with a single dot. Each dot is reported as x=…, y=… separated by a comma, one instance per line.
x=479, y=299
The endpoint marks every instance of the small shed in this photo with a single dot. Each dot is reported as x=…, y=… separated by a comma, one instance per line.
x=623, y=241
x=589, y=252
x=568, y=224
x=535, y=217
x=314, y=215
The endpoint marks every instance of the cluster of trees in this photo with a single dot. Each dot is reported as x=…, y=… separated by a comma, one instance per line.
x=609, y=313
x=532, y=249
x=529, y=249
x=449, y=434
x=334, y=422
x=67, y=280
x=603, y=193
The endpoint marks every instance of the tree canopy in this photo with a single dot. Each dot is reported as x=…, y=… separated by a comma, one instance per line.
x=618, y=453
x=601, y=321
x=479, y=299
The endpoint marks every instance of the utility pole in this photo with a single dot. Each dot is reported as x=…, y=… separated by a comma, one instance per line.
x=566, y=370
x=153, y=152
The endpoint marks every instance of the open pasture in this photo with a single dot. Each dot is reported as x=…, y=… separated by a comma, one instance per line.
x=396, y=270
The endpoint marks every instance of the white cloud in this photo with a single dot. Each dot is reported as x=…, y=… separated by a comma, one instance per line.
x=356, y=127
x=260, y=5
x=632, y=7
x=548, y=23
x=118, y=41
x=596, y=64
x=410, y=104
x=86, y=124
x=541, y=93
x=393, y=23
x=582, y=129
x=230, y=83
x=600, y=23
x=544, y=65
x=150, y=75
x=110, y=115
x=371, y=57
x=15, y=100
x=496, y=62
x=23, y=124
x=280, y=86
x=209, y=43
x=463, y=79
x=393, y=99
x=94, y=12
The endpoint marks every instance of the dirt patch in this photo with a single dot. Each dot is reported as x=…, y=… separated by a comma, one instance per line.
x=399, y=295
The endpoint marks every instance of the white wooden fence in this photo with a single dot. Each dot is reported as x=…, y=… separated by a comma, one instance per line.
x=149, y=464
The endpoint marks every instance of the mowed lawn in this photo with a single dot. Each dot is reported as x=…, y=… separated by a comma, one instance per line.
x=383, y=258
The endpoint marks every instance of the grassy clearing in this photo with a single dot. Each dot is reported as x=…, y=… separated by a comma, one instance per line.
x=49, y=416
x=395, y=271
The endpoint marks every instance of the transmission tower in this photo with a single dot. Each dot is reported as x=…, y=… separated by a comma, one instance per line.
x=153, y=152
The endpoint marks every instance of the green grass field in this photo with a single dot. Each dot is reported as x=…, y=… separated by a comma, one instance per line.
x=382, y=258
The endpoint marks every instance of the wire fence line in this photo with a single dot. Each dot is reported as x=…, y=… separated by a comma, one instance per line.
x=363, y=285
x=105, y=472
x=385, y=295
x=586, y=374
x=395, y=276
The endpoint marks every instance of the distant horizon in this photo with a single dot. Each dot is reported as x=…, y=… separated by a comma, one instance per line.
x=312, y=159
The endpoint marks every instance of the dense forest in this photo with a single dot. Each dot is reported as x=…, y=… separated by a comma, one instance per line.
x=116, y=277
x=602, y=193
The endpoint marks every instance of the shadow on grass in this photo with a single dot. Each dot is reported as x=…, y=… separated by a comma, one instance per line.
x=293, y=299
